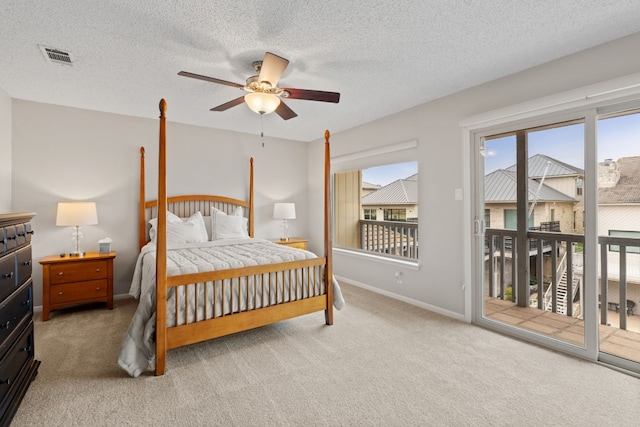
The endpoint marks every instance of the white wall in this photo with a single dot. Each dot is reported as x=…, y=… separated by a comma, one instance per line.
x=5, y=152
x=438, y=284
x=62, y=153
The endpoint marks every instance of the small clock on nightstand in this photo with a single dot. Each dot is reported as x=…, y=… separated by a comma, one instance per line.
x=294, y=242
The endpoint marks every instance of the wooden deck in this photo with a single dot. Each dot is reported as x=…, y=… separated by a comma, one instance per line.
x=615, y=341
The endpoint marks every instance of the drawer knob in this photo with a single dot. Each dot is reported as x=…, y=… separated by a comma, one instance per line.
x=60, y=274
x=97, y=288
x=7, y=381
x=30, y=232
x=60, y=293
x=26, y=302
x=26, y=349
x=26, y=263
x=8, y=275
x=5, y=325
x=97, y=270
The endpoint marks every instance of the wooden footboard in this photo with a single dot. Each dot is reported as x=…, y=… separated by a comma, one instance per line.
x=253, y=296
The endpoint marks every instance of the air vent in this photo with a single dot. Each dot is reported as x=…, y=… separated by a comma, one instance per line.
x=56, y=56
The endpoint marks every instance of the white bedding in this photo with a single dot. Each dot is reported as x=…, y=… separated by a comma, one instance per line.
x=137, y=352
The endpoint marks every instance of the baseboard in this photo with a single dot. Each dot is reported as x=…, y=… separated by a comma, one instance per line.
x=38, y=308
x=402, y=298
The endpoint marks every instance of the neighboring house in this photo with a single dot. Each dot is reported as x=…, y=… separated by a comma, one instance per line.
x=368, y=187
x=549, y=173
x=619, y=216
x=397, y=201
x=548, y=203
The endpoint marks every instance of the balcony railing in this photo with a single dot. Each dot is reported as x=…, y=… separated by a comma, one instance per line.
x=396, y=238
x=555, y=272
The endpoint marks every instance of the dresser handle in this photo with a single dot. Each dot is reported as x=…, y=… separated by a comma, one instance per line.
x=97, y=270
x=60, y=293
x=97, y=288
x=26, y=302
x=21, y=234
x=3, y=241
x=26, y=349
x=12, y=237
x=8, y=275
x=5, y=325
x=26, y=263
x=30, y=232
x=60, y=274
x=7, y=381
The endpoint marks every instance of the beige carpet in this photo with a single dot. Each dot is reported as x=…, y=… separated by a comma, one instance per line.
x=383, y=362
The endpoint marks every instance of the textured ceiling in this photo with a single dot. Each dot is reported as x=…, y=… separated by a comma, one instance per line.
x=382, y=56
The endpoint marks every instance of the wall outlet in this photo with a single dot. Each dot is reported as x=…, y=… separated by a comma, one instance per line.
x=399, y=277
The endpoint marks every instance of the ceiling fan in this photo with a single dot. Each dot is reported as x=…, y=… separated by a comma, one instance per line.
x=264, y=96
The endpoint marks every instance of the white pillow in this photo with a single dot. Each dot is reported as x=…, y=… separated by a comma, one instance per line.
x=225, y=226
x=197, y=232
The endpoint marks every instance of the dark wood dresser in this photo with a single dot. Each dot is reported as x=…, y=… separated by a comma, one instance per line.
x=18, y=366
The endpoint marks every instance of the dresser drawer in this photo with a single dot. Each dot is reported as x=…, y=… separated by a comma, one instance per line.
x=13, y=311
x=10, y=237
x=77, y=291
x=13, y=364
x=23, y=233
x=75, y=271
x=24, y=267
x=7, y=275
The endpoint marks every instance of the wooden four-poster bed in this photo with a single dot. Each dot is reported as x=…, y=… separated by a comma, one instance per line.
x=192, y=303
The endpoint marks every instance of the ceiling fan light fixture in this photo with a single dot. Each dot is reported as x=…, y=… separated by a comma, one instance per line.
x=262, y=103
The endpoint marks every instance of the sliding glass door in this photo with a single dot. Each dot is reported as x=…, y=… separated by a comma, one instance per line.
x=557, y=234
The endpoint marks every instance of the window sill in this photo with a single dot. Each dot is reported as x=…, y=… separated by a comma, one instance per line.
x=413, y=265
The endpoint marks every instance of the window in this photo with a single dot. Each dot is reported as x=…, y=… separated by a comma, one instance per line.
x=395, y=214
x=376, y=190
x=579, y=186
x=487, y=218
x=623, y=233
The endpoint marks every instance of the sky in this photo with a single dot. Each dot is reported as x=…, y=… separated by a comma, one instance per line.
x=383, y=175
x=617, y=137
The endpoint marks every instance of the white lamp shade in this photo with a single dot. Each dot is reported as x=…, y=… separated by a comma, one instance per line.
x=262, y=103
x=284, y=211
x=76, y=213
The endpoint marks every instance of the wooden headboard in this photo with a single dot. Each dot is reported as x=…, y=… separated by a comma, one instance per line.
x=186, y=205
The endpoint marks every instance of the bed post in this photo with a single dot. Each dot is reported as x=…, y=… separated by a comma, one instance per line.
x=328, y=276
x=161, y=249
x=142, y=226
x=251, y=197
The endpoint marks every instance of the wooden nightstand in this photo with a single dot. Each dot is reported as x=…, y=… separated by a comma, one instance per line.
x=294, y=242
x=68, y=280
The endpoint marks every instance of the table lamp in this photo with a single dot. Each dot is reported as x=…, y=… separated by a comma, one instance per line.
x=76, y=214
x=284, y=211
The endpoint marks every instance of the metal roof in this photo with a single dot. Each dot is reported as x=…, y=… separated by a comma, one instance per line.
x=400, y=192
x=500, y=187
x=538, y=163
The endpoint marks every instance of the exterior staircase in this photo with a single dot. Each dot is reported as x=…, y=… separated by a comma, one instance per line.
x=562, y=292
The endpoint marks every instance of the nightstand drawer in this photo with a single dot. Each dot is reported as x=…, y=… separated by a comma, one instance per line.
x=77, y=291
x=75, y=271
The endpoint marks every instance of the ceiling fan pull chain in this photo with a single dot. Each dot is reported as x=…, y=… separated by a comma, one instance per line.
x=262, y=128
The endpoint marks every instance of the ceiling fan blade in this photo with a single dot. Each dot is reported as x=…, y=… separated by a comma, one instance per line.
x=313, y=95
x=285, y=112
x=227, y=105
x=272, y=68
x=209, y=79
